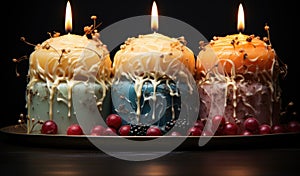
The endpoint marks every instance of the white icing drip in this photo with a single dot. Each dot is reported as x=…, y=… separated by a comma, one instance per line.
x=154, y=58
x=168, y=48
x=172, y=94
x=245, y=61
x=138, y=85
x=155, y=82
x=82, y=57
x=155, y=79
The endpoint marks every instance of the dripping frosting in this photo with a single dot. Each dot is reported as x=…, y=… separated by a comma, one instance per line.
x=62, y=62
x=152, y=58
x=248, y=68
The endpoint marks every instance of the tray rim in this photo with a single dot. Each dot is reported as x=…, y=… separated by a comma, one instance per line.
x=281, y=140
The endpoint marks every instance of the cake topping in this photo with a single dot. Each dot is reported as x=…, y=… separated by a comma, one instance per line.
x=236, y=54
x=169, y=49
x=68, y=60
x=152, y=58
x=239, y=74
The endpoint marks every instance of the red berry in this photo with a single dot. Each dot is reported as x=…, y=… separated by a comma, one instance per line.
x=194, y=131
x=97, y=130
x=49, y=127
x=110, y=131
x=124, y=130
x=114, y=121
x=251, y=124
x=275, y=129
x=74, y=129
x=218, y=121
x=153, y=131
x=293, y=126
x=199, y=124
x=264, y=129
x=230, y=128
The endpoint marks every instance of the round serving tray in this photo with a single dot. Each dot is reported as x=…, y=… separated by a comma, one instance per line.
x=17, y=135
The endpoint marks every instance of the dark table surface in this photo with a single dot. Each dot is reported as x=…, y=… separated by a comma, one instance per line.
x=19, y=159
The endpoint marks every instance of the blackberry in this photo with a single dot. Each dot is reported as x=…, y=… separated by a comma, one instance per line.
x=170, y=124
x=179, y=123
x=138, y=130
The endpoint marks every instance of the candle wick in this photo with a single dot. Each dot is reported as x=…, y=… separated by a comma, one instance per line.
x=154, y=30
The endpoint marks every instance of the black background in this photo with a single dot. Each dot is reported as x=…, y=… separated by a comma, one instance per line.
x=32, y=19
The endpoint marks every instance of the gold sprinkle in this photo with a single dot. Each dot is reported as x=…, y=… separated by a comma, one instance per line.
x=249, y=39
x=56, y=34
x=24, y=40
x=267, y=27
x=87, y=29
x=245, y=56
x=46, y=46
x=265, y=39
x=17, y=61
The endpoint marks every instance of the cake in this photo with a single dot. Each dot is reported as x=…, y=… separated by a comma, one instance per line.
x=144, y=91
x=238, y=78
x=59, y=69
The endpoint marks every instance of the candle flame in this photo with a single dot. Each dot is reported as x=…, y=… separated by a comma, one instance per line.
x=241, y=19
x=154, y=17
x=68, y=18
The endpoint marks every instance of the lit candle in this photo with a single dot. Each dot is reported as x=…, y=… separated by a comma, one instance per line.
x=61, y=63
x=154, y=17
x=241, y=19
x=241, y=72
x=145, y=62
x=68, y=18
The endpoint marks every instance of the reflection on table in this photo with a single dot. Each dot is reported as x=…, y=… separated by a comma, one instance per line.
x=30, y=160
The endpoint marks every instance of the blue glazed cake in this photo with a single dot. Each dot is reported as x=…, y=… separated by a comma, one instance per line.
x=144, y=87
